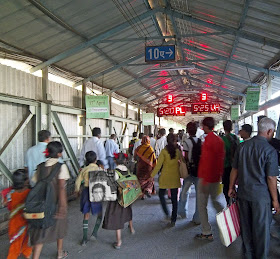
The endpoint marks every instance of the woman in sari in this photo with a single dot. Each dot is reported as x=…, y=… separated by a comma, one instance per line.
x=146, y=163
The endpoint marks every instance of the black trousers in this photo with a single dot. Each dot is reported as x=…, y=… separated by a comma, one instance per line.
x=255, y=220
x=174, y=200
x=226, y=179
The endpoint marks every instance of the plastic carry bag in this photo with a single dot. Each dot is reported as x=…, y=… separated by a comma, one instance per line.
x=229, y=224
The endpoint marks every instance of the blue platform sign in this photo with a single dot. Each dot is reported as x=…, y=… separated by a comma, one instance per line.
x=160, y=53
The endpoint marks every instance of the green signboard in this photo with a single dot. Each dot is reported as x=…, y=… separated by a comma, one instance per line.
x=234, y=112
x=148, y=119
x=97, y=107
x=252, y=99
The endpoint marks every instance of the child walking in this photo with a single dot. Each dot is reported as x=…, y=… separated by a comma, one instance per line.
x=116, y=216
x=85, y=204
x=57, y=232
x=18, y=225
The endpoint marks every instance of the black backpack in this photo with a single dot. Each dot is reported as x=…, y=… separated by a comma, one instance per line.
x=131, y=146
x=196, y=152
x=40, y=207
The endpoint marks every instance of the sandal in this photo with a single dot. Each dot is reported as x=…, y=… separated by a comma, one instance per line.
x=63, y=255
x=204, y=237
x=116, y=246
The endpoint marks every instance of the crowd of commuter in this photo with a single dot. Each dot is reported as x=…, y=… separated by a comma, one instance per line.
x=248, y=170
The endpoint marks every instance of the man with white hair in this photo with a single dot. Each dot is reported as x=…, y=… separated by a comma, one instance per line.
x=255, y=167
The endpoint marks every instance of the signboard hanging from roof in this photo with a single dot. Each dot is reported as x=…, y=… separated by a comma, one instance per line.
x=148, y=119
x=97, y=107
x=159, y=53
x=234, y=112
x=252, y=99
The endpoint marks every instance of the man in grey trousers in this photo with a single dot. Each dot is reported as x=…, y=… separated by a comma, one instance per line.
x=255, y=168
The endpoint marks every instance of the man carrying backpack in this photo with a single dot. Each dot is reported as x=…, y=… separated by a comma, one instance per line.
x=231, y=142
x=192, y=149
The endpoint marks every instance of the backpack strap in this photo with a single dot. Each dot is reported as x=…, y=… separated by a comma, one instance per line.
x=53, y=173
x=118, y=171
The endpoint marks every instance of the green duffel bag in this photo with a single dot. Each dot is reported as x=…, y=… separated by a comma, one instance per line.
x=129, y=188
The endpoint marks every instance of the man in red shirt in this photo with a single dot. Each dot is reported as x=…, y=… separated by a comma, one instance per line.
x=210, y=171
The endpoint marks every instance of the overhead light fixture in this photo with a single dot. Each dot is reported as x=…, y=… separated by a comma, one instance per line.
x=172, y=68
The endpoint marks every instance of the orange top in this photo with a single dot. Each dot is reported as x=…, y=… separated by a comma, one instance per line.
x=17, y=220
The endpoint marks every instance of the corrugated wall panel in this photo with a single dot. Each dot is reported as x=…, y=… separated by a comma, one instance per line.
x=19, y=83
x=65, y=95
x=118, y=110
x=10, y=116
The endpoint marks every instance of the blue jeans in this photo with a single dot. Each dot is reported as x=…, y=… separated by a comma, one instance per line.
x=111, y=162
x=184, y=198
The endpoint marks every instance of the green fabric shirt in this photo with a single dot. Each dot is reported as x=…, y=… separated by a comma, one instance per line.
x=227, y=143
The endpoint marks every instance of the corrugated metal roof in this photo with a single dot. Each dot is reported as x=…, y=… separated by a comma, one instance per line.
x=234, y=34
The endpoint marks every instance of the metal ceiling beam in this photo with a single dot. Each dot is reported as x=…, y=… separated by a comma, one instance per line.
x=129, y=83
x=238, y=80
x=241, y=23
x=218, y=87
x=164, y=37
x=47, y=12
x=240, y=63
x=150, y=90
x=214, y=86
x=194, y=88
x=242, y=81
x=187, y=62
x=155, y=20
x=95, y=40
x=227, y=30
x=182, y=53
x=124, y=63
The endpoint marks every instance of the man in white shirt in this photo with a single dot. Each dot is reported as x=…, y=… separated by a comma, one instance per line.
x=161, y=142
x=111, y=147
x=35, y=155
x=96, y=145
x=152, y=141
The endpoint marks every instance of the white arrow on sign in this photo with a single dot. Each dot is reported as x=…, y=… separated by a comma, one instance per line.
x=170, y=52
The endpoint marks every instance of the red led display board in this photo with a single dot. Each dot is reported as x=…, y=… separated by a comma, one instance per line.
x=203, y=108
x=170, y=98
x=171, y=111
x=203, y=97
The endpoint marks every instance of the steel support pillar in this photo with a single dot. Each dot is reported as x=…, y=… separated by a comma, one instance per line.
x=269, y=88
x=83, y=117
x=15, y=134
x=5, y=171
x=60, y=130
x=45, y=106
x=126, y=110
